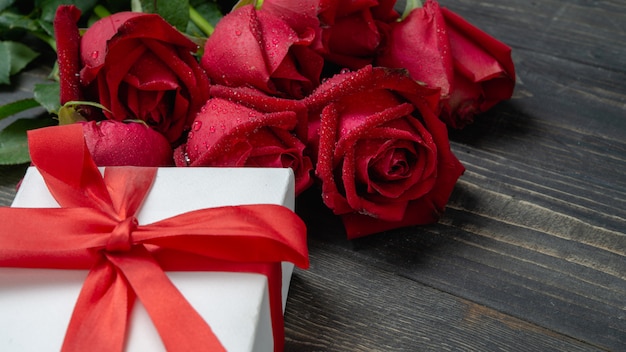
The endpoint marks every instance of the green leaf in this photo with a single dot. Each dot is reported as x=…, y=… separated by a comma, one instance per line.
x=49, y=7
x=16, y=57
x=16, y=107
x=5, y=65
x=48, y=96
x=14, y=143
x=174, y=12
x=46, y=33
x=12, y=20
x=21, y=55
x=5, y=3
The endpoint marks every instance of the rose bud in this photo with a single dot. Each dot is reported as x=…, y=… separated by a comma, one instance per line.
x=226, y=133
x=484, y=73
x=114, y=143
x=257, y=49
x=384, y=159
x=137, y=66
x=473, y=70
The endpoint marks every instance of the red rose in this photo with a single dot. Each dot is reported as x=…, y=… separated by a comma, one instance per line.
x=257, y=49
x=384, y=159
x=229, y=133
x=113, y=143
x=352, y=31
x=473, y=70
x=137, y=66
x=484, y=73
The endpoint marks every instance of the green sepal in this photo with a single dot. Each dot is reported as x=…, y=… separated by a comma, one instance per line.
x=70, y=112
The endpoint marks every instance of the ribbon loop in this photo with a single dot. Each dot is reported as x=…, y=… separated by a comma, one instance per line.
x=121, y=236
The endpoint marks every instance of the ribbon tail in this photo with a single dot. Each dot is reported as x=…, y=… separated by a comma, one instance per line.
x=180, y=326
x=101, y=312
x=274, y=284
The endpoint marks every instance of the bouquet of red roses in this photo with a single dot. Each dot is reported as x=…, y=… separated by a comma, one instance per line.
x=354, y=96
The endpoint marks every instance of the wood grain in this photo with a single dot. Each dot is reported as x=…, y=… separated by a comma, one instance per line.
x=382, y=311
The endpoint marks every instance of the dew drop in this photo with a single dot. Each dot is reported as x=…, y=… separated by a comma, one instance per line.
x=95, y=54
x=344, y=70
x=196, y=125
x=237, y=32
x=212, y=129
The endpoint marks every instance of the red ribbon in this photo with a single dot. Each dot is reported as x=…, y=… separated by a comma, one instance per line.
x=96, y=229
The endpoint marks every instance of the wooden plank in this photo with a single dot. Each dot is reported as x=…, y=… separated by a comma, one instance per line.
x=9, y=178
x=589, y=32
x=559, y=97
x=345, y=303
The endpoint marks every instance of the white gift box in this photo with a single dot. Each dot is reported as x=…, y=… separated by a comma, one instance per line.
x=36, y=304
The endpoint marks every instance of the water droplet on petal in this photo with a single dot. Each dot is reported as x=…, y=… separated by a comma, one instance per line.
x=196, y=125
x=94, y=54
x=237, y=32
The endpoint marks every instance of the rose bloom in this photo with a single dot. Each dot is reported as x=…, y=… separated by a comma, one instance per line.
x=231, y=133
x=384, y=159
x=136, y=65
x=114, y=143
x=473, y=70
x=252, y=48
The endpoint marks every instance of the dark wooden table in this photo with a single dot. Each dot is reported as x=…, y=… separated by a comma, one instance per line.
x=531, y=254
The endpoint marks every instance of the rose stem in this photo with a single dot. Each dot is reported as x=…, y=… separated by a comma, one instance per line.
x=199, y=21
x=101, y=11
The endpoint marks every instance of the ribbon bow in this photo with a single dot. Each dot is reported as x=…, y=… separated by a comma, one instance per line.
x=96, y=229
